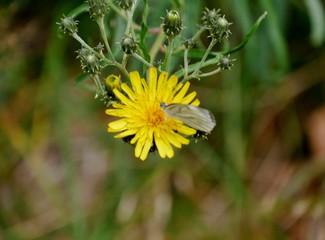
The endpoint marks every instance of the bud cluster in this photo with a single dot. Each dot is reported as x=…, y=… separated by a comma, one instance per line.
x=217, y=25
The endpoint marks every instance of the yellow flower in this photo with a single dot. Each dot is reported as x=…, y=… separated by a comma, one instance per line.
x=142, y=120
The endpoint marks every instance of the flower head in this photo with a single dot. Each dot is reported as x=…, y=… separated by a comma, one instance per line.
x=143, y=122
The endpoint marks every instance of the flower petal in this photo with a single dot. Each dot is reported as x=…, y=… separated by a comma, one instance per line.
x=117, y=125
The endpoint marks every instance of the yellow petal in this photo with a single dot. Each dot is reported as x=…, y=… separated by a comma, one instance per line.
x=189, y=98
x=152, y=83
x=147, y=145
x=128, y=91
x=136, y=82
x=117, y=125
x=126, y=133
x=196, y=102
x=181, y=93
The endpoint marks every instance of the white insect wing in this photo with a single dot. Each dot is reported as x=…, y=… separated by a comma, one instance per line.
x=196, y=117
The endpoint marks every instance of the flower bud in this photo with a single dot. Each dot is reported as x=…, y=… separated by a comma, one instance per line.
x=226, y=63
x=157, y=63
x=220, y=29
x=112, y=82
x=97, y=8
x=210, y=16
x=125, y=4
x=89, y=62
x=128, y=45
x=189, y=43
x=172, y=24
x=68, y=25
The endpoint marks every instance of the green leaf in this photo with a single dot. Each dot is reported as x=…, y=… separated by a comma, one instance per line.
x=143, y=32
x=247, y=37
x=78, y=10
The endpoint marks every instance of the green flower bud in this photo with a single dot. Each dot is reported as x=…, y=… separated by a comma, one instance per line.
x=112, y=82
x=189, y=43
x=89, y=62
x=220, y=29
x=226, y=63
x=125, y=4
x=97, y=8
x=210, y=16
x=128, y=45
x=157, y=63
x=172, y=24
x=68, y=25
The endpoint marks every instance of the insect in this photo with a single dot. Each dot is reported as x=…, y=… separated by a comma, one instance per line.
x=198, y=118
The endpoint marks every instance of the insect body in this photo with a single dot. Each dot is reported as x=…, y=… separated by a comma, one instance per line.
x=198, y=118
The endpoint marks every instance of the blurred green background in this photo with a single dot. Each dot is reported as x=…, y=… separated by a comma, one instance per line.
x=260, y=175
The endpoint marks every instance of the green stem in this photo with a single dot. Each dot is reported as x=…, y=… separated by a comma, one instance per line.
x=196, y=74
x=85, y=45
x=156, y=46
x=100, y=90
x=186, y=62
x=210, y=73
x=125, y=59
x=141, y=59
x=195, y=37
x=129, y=14
x=169, y=53
x=100, y=22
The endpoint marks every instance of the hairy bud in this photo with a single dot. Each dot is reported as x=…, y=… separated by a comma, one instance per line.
x=89, y=62
x=97, y=8
x=172, y=24
x=128, y=45
x=220, y=29
x=68, y=25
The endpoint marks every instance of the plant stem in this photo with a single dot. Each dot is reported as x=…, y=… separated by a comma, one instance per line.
x=195, y=73
x=212, y=43
x=85, y=45
x=186, y=62
x=141, y=59
x=100, y=90
x=129, y=14
x=156, y=46
x=100, y=22
x=169, y=53
x=210, y=73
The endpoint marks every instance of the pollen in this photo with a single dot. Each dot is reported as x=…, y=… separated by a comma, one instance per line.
x=156, y=116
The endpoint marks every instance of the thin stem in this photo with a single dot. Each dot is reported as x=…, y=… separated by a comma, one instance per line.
x=101, y=56
x=156, y=46
x=195, y=37
x=122, y=69
x=210, y=73
x=195, y=73
x=186, y=62
x=100, y=22
x=85, y=45
x=212, y=43
x=125, y=59
x=100, y=90
x=141, y=59
x=129, y=14
x=169, y=53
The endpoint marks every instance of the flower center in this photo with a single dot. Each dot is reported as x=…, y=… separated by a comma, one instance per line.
x=155, y=115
